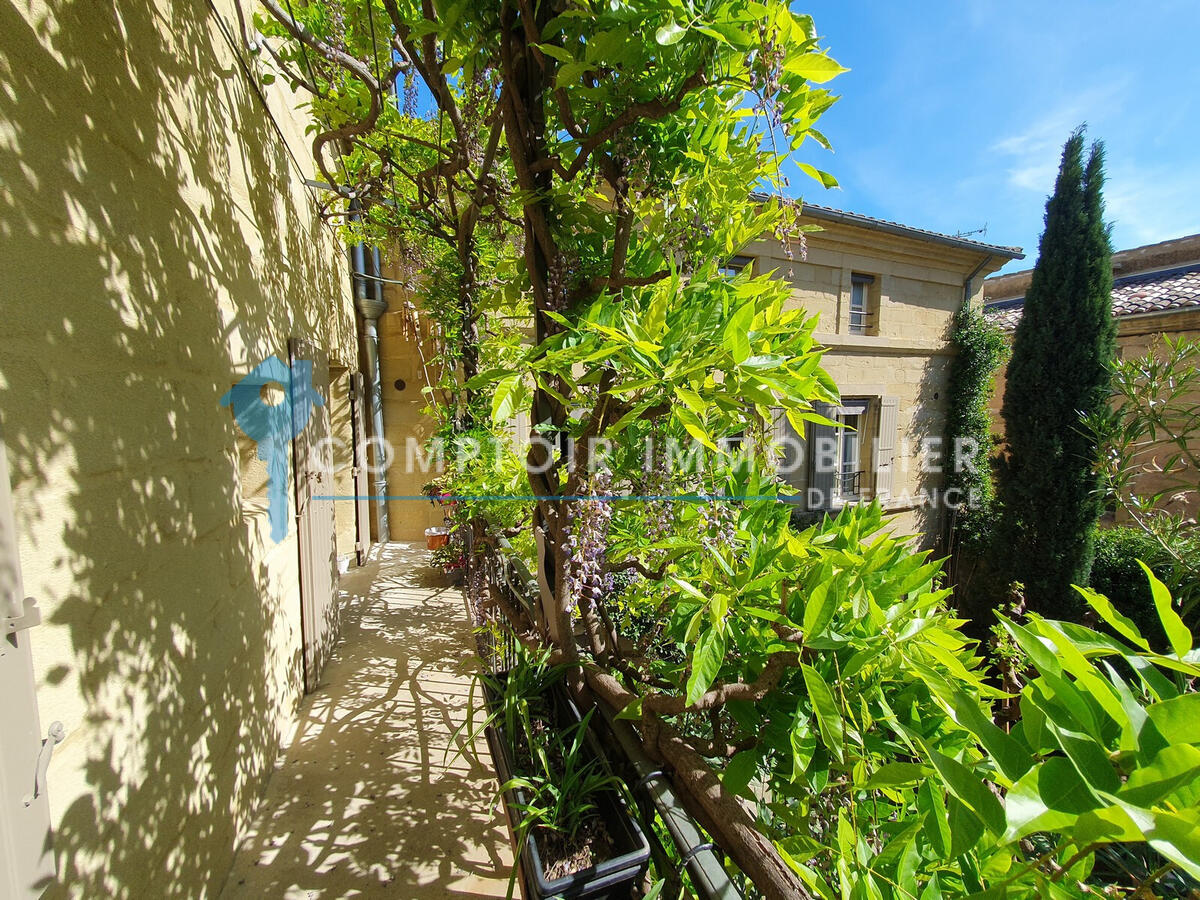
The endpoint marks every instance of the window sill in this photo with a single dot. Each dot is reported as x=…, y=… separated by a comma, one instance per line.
x=879, y=342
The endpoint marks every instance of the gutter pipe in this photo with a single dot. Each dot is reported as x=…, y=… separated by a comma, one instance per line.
x=709, y=877
x=369, y=301
x=968, y=285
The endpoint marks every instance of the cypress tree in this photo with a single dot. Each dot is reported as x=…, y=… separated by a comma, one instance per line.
x=1062, y=352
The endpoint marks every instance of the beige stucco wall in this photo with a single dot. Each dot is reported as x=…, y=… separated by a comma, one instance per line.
x=918, y=288
x=405, y=424
x=158, y=242
x=1138, y=336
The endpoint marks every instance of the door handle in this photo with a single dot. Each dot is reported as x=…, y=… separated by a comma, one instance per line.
x=54, y=736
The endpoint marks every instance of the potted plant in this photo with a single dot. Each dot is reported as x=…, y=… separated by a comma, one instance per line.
x=437, y=537
x=575, y=837
x=447, y=557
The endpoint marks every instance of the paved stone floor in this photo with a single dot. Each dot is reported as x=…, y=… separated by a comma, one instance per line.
x=366, y=802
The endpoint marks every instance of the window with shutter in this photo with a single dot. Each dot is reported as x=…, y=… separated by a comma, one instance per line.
x=736, y=265
x=862, y=304
x=885, y=447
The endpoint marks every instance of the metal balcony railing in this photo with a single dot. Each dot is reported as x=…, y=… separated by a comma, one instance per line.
x=849, y=484
x=860, y=321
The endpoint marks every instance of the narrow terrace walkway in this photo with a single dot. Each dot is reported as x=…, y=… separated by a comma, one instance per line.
x=366, y=802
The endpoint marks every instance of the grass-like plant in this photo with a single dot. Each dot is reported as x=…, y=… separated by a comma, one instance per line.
x=558, y=779
x=513, y=691
x=560, y=795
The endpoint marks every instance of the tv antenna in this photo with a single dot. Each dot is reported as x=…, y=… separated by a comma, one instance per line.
x=979, y=231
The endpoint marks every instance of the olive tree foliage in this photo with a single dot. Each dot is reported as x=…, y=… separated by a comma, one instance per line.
x=1149, y=460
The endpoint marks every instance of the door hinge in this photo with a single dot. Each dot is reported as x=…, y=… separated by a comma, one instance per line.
x=27, y=619
x=54, y=737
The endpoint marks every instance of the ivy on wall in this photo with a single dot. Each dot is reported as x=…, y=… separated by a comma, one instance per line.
x=981, y=349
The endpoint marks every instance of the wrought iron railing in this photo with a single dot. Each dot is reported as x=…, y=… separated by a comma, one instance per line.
x=860, y=322
x=850, y=483
x=496, y=580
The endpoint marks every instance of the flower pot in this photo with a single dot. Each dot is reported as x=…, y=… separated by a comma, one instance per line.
x=437, y=537
x=609, y=879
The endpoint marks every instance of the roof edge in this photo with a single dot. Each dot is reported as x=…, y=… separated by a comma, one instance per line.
x=858, y=220
x=849, y=218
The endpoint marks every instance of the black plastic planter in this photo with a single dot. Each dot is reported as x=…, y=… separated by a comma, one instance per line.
x=612, y=879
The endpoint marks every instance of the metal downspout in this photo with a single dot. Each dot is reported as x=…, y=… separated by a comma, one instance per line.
x=368, y=300
x=968, y=285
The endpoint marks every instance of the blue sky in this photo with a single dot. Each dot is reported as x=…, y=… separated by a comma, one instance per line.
x=954, y=113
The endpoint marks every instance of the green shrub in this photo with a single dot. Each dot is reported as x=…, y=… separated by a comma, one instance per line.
x=1116, y=575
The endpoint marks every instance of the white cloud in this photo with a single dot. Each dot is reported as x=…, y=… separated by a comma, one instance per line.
x=1151, y=205
x=1034, y=152
x=1146, y=203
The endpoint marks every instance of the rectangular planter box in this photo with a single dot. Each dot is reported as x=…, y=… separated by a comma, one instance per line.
x=611, y=879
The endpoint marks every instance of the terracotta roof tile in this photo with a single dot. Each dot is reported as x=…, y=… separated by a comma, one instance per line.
x=1177, y=288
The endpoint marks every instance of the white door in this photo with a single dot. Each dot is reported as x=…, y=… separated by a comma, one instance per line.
x=312, y=464
x=26, y=855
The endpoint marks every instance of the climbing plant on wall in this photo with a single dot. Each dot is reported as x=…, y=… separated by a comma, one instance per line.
x=980, y=349
x=809, y=692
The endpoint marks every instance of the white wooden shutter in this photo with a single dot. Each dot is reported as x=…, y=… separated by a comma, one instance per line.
x=789, y=461
x=778, y=435
x=885, y=447
x=521, y=432
x=823, y=460
x=26, y=858
x=779, y=424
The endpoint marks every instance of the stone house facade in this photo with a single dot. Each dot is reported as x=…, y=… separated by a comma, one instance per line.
x=886, y=295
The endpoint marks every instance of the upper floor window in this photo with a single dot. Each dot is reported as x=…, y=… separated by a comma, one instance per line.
x=736, y=266
x=862, y=313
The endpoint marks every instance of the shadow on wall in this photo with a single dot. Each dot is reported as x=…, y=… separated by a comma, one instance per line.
x=152, y=253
